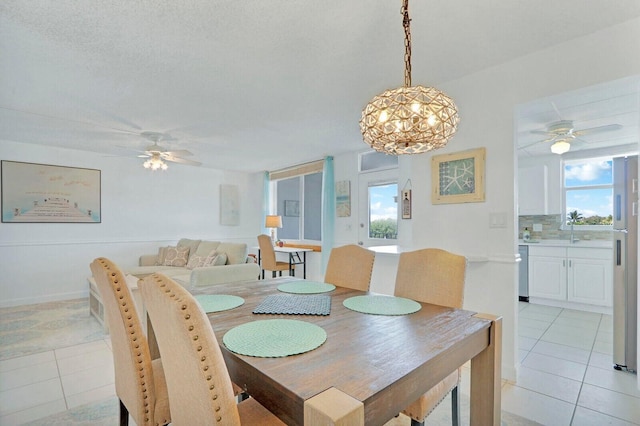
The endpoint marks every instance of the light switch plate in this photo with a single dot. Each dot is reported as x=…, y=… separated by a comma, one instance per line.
x=497, y=220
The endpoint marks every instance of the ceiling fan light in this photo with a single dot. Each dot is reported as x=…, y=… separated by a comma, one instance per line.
x=560, y=147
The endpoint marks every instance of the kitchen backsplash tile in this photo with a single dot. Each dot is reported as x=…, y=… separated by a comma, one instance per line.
x=551, y=229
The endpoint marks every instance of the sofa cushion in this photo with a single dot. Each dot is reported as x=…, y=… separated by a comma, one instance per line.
x=176, y=256
x=170, y=271
x=162, y=253
x=236, y=252
x=192, y=244
x=206, y=247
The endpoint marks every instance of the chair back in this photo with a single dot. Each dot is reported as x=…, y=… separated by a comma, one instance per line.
x=350, y=266
x=267, y=253
x=432, y=276
x=199, y=386
x=134, y=377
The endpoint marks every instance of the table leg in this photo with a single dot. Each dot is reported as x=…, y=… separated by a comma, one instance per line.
x=333, y=407
x=486, y=378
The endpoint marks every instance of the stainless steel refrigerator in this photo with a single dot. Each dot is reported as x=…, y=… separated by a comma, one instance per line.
x=625, y=262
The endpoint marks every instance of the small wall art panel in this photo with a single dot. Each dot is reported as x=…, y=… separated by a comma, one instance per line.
x=458, y=177
x=43, y=193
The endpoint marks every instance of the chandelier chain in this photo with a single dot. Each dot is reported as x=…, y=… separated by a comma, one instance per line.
x=406, y=23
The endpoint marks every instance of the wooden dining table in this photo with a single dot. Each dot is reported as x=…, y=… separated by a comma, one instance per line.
x=371, y=366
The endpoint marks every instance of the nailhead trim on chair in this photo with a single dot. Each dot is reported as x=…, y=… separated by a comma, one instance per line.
x=133, y=335
x=194, y=338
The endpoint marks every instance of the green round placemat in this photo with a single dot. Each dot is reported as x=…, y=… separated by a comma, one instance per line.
x=218, y=302
x=306, y=287
x=274, y=338
x=382, y=305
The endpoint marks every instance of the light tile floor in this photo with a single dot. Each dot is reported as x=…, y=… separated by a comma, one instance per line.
x=566, y=378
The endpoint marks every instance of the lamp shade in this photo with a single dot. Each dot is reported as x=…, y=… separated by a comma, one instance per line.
x=273, y=221
x=560, y=147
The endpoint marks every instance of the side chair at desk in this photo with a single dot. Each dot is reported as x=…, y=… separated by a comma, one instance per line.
x=297, y=256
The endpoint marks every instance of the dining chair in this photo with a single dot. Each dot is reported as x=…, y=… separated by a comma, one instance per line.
x=140, y=381
x=268, y=260
x=433, y=276
x=350, y=266
x=200, y=389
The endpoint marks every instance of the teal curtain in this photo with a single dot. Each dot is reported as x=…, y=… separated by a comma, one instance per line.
x=328, y=211
x=265, y=201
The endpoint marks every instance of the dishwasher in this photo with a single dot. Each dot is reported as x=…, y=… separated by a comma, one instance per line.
x=523, y=284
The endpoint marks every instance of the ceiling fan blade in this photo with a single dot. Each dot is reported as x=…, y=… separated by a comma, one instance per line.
x=181, y=160
x=179, y=153
x=540, y=132
x=592, y=130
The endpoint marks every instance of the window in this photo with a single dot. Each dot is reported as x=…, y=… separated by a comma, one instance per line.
x=383, y=210
x=588, y=193
x=298, y=198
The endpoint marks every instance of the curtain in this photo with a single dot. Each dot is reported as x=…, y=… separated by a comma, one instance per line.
x=328, y=211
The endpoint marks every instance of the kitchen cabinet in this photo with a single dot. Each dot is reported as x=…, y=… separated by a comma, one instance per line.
x=532, y=190
x=573, y=274
x=540, y=188
x=548, y=272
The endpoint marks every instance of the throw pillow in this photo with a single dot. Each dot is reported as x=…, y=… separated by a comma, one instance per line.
x=162, y=253
x=198, y=261
x=176, y=256
x=216, y=259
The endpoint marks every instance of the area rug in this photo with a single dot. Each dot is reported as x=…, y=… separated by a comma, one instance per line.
x=30, y=329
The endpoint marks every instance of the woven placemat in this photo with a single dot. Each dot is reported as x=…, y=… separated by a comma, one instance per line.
x=294, y=305
x=218, y=302
x=382, y=305
x=306, y=287
x=274, y=338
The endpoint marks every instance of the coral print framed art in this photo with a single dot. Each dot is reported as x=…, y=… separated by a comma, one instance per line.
x=43, y=193
x=458, y=177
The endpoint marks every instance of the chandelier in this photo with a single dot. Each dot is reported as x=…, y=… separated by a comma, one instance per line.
x=155, y=162
x=409, y=119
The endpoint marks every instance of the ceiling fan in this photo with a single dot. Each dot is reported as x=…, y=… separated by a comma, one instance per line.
x=156, y=155
x=562, y=134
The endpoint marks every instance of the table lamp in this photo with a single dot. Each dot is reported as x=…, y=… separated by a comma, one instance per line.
x=273, y=221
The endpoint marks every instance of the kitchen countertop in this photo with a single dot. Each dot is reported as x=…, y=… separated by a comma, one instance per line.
x=566, y=243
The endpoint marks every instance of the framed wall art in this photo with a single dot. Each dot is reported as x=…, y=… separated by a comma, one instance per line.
x=458, y=177
x=43, y=193
x=229, y=205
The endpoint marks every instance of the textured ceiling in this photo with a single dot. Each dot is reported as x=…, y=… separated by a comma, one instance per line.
x=245, y=84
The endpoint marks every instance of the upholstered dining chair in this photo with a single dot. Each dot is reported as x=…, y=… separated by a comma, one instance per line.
x=350, y=266
x=140, y=382
x=200, y=389
x=433, y=276
x=268, y=260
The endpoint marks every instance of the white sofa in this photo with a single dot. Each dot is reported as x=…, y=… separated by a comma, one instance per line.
x=236, y=264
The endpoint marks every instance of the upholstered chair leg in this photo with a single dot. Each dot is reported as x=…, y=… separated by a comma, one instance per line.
x=416, y=423
x=455, y=407
x=124, y=414
x=263, y=274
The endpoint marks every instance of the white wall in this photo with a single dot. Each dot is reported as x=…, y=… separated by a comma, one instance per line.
x=486, y=102
x=141, y=210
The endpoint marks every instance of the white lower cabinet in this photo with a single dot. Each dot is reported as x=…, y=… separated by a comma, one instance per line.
x=581, y=275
